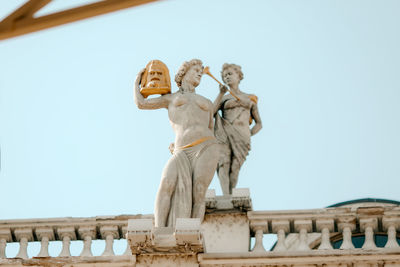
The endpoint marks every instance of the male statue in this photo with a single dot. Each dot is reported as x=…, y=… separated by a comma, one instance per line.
x=189, y=171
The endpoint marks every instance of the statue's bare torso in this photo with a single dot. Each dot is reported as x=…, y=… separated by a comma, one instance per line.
x=190, y=117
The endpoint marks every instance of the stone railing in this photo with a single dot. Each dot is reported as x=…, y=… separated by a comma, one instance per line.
x=317, y=229
x=107, y=228
x=313, y=238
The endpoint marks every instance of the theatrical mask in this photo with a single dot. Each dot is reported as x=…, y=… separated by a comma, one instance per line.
x=155, y=79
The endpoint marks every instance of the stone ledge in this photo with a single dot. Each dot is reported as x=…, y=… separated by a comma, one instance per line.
x=239, y=201
x=301, y=257
x=185, y=238
x=68, y=261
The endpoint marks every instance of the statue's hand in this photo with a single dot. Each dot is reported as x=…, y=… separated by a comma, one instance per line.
x=139, y=78
x=223, y=89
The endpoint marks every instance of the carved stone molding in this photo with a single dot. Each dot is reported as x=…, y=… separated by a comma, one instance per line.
x=185, y=238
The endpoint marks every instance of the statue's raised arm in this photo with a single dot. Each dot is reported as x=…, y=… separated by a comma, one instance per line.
x=154, y=79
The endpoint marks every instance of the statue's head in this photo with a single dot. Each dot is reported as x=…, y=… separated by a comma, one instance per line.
x=156, y=76
x=190, y=72
x=231, y=74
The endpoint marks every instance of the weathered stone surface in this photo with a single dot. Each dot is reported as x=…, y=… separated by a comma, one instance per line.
x=226, y=232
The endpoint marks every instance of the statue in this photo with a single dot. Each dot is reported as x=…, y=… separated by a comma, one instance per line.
x=232, y=128
x=189, y=171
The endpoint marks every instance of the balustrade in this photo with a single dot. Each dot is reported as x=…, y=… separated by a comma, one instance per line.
x=312, y=230
x=64, y=230
x=325, y=231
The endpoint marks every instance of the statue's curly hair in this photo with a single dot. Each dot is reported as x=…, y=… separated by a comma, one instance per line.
x=184, y=68
x=235, y=67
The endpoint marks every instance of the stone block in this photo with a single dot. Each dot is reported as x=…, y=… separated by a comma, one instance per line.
x=139, y=230
x=226, y=232
x=211, y=201
x=241, y=199
x=187, y=231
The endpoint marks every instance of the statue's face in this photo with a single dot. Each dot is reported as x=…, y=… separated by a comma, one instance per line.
x=230, y=77
x=155, y=77
x=193, y=75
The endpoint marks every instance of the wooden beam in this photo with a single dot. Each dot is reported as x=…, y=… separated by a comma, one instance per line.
x=25, y=11
x=21, y=21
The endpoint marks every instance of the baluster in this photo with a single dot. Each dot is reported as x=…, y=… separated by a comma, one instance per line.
x=303, y=226
x=109, y=233
x=390, y=224
x=325, y=240
x=5, y=236
x=109, y=250
x=281, y=227
x=347, y=242
x=87, y=233
x=44, y=235
x=66, y=234
x=128, y=248
x=392, y=242
x=23, y=235
x=346, y=225
x=325, y=226
x=369, y=238
x=368, y=225
x=44, y=247
x=66, y=243
x=259, y=227
x=87, y=246
x=280, y=245
x=23, y=248
x=259, y=246
x=3, y=244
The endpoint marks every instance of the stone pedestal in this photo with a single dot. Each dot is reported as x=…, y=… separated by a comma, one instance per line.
x=185, y=238
x=226, y=227
x=165, y=246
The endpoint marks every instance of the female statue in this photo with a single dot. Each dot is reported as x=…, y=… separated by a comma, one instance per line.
x=191, y=168
x=232, y=129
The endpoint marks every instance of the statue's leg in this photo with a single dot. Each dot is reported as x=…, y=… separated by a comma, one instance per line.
x=234, y=175
x=165, y=190
x=203, y=173
x=224, y=167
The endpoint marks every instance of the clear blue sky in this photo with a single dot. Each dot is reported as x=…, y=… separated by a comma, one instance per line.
x=326, y=73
